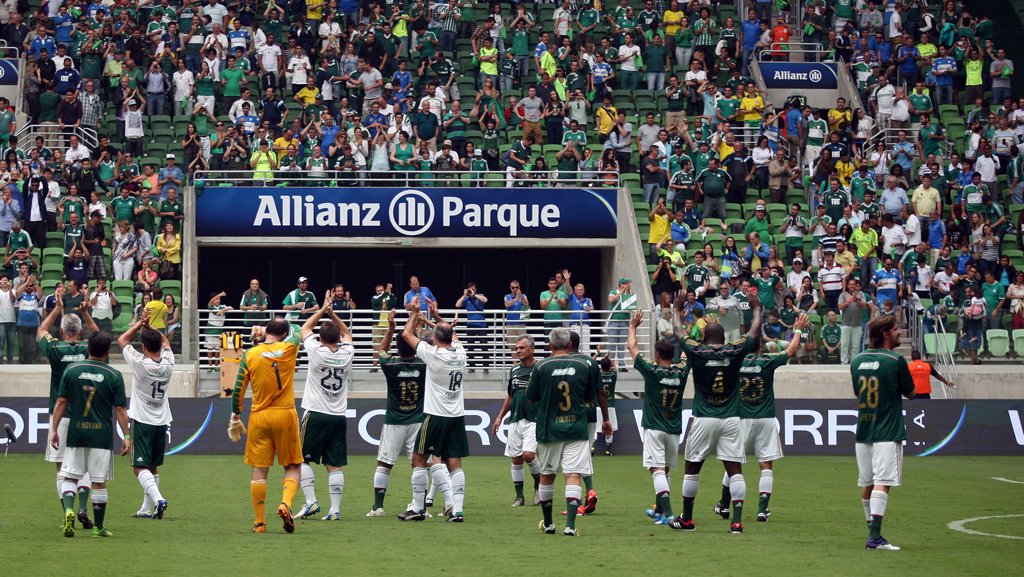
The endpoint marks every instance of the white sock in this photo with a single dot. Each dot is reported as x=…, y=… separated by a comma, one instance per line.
x=432, y=491
x=517, y=473
x=458, y=482
x=381, y=478
x=534, y=466
x=609, y=439
x=738, y=488
x=867, y=508
x=443, y=481
x=60, y=487
x=660, y=483
x=547, y=492
x=572, y=492
x=689, y=486
x=420, y=479
x=879, y=500
x=725, y=479
x=99, y=496
x=336, y=487
x=307, y=480
x=767, y=481
x=153, y=496
x=68, y=486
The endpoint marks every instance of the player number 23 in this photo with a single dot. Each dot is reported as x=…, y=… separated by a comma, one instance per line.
x=868, y=392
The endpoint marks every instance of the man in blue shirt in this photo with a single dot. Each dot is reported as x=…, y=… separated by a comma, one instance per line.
x=416, y=291
x=375, y=121
x=27, y=298
x=887, y=283
x=679, y=228
x=42, y=42
x=476, y=326
x=794, y=119
x=906, y=58
x=751, y=29
x=579, y=319
x=248, y=121
x=944, y=69
x=515, y=302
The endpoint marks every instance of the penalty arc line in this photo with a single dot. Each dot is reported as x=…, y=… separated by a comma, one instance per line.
x=961, y=526
x=1007, y=480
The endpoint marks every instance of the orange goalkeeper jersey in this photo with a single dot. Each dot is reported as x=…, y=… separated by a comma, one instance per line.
x=269, y=369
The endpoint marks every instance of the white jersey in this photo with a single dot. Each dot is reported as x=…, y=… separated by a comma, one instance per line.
x=328, y=377
x=149, y=386
x=445, y=368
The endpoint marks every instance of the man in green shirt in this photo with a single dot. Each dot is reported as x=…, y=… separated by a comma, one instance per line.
x=552, y=301
x=124, y=206
x=406, y=376
x=300, y=301
x=662, y=420
x=91, y=394
x=881, y=378
x=697, y=277
x=621, y=301
x=994, y=295
x=232, y=79
x=861, y=182
x=716, y=411
x=766, y=287
x=712, y=184
x=831, y=335
x=560, y=386
x=521, y=441
x=757, y=418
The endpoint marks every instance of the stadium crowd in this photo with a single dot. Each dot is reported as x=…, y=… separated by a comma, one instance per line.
x=656, y=96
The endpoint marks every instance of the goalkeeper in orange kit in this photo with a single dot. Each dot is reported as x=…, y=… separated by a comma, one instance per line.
x=268, y=369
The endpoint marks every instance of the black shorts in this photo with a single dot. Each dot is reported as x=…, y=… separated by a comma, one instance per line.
x=323, y=439
x=443, y=436
x=149, y=442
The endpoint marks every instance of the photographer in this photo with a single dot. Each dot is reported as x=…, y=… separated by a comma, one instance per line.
x=156, y=86
x=476, y=325
x=664, y=280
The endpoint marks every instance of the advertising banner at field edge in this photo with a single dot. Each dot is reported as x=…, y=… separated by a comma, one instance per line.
x=806, y=75
x=407, y=213
x=807, y=426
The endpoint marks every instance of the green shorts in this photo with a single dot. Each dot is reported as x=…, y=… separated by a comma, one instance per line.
x=149, y=442
x=444, y=437
x=323, y=439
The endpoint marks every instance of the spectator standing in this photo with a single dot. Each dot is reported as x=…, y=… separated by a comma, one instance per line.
x=853, y=304
x=254, y=300
x=475, y=333
x=621, y=301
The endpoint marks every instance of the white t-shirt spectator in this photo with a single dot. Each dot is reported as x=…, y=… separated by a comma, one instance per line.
x=629, y=53
x=912, y=228
x=269, y=53
x=183, y=83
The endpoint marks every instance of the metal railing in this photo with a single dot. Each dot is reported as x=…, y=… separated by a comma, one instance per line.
x=890, y=136
x=749, y=136
x=944, y=357
x=488, y=346
x=54, y=136
x=789, y=48
x=432, y=179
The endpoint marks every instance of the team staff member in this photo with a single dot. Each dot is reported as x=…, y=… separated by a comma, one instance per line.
x=269, y=369
x=922, y=374
x=880, y=378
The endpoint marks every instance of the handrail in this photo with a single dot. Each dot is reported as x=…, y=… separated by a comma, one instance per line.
x=488, y=346
x=436, y=179
x=5, y=50
x=27, y=135
x=944, y=357
x=776, y=48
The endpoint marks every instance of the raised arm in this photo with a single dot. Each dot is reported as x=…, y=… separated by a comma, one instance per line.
x=126, y=338
x=385, y=341
x=346, y=334
x=755, y=323
x=314, y=319
x=634, y=323
x=58, y=309
x=411, y=326
x=798, y=327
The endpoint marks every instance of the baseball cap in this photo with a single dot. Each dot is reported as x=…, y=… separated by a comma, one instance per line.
x=170, y=156
x=303, y=279
x=478, y=152
x=760, y=208
x=624, y=280
x=798, y=260
x=446, y=143
x=133, y=102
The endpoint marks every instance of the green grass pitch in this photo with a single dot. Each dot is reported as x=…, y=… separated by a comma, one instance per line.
x=817, y=527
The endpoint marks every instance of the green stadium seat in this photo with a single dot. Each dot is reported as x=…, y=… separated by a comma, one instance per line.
x=159, y=121
x=998, y=342
x=932, y=343
x=1018, y=342
x=52, y=272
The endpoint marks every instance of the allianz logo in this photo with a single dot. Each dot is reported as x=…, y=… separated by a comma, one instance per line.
x=812, y=76
x=563, y=372
x=410, y=213
x=408, y=374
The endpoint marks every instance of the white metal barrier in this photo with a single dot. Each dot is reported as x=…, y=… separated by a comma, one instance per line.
x=488, y=346
x=552, y=178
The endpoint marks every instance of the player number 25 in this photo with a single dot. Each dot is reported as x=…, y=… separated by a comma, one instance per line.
x=868, y=392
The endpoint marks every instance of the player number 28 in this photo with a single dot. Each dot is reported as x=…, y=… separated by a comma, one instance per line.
x=868, y=392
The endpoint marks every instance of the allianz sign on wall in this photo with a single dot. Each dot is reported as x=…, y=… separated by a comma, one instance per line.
x=805, y=75
x=398, y=212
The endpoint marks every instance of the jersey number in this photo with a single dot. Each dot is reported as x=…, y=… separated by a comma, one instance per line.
x=332, y=379
x=868, y=392
x=566, y=404
x=88, y=400
x=159, y=389
x=409, y=393
x=455, y=380
x=718, y=387
x=752, y=388
x=669, y=398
